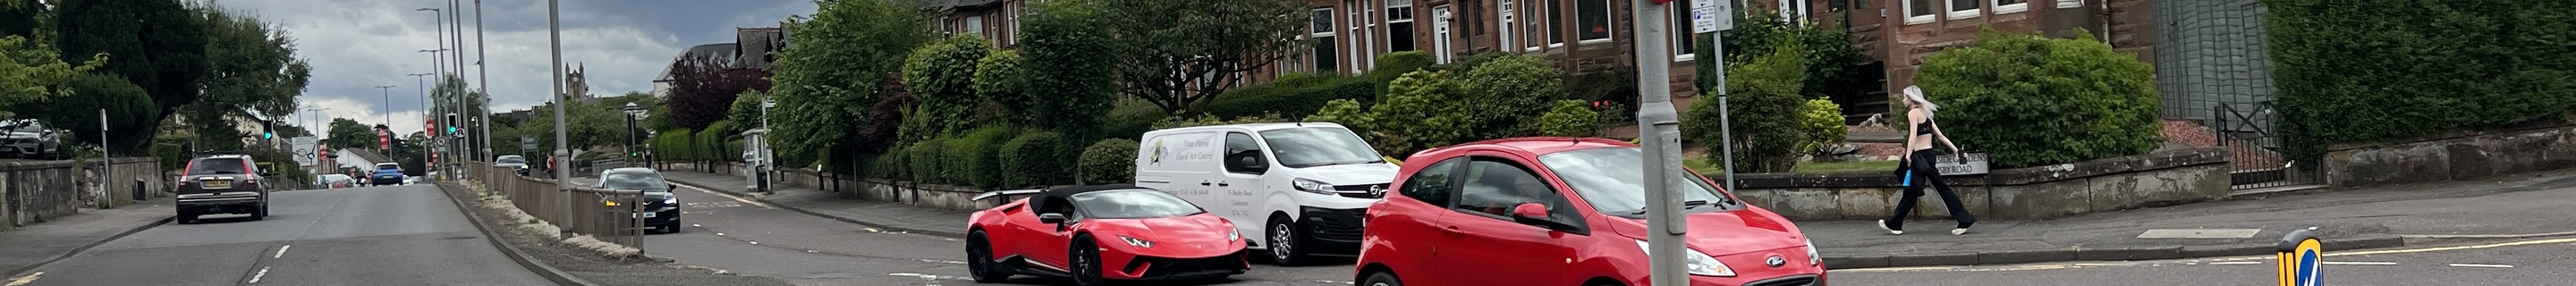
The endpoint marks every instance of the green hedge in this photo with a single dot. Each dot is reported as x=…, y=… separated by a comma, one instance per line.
x=893, y=165
x=1290, y=96
x=2032, y=101
x=976, y=157
x=1396, y=64
x=1509, y=90
x=2382, y=70
x=1035, y=159
x=1110, y=161
x=927, y=160
x=1820, y=124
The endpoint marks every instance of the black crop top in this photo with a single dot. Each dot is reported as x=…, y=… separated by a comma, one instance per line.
x=1924, y=128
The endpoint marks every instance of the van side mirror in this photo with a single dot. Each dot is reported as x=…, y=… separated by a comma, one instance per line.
x=1051, y=218
x=1248, y=162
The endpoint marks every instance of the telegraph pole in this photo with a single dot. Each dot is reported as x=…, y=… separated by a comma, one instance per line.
x=1665, y=224
x=482, y=85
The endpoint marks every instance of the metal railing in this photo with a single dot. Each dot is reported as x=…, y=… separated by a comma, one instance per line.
x=608, y=215
x=2254, y=157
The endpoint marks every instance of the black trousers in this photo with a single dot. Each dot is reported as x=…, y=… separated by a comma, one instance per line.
x=1921, y=168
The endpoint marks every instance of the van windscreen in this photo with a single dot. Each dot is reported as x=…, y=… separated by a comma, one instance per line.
x=1318, y=146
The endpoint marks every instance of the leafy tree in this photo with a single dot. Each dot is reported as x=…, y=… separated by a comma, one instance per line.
x=1001, y=80
x=251, y=65
x=942, y=76
x=825, y=85
x=21, y=17
x=159, y=45
x=745, y=109
x=126, y=105
x=1182, y=53
x=2033, y=101
x=30, y=73
x=1422, y=109
x=1064, y=42
x=704, y=89
x=346, y=133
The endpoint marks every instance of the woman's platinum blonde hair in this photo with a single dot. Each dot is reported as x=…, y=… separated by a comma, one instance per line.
x=1915, y=93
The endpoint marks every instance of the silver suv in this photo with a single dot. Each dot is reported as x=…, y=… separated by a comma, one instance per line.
x=28, y=138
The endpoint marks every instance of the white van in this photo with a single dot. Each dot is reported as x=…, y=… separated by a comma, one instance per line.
x=1300, y=187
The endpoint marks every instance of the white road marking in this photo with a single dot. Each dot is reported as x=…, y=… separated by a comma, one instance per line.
x=263, y=272
x=755, y=243
x=941, y=261
x=926, y=276
x=2359, y=263
x=281, y=251
x=2481, y=265
x=23, y=280
x=2432, y=249
x=2236, y=263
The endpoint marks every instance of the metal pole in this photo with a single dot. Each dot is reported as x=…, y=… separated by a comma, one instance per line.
x=456, y=27
x=483, y=85
x=554, y=41
x=387, y=90
x=1663, y=216
x=106, y=173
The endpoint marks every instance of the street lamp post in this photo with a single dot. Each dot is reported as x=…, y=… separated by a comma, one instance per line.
x=387, y=90
x=554, y=43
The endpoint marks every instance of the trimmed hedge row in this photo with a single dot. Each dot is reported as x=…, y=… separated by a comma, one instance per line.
x=1110, y=161
x=1293, y=96
x=2382, y=70
x=992, y=157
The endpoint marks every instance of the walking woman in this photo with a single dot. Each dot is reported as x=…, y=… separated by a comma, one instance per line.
x=1918, y=169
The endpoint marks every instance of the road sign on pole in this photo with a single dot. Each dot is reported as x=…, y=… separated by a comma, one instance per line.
x=1711, y=16
x=306, y=150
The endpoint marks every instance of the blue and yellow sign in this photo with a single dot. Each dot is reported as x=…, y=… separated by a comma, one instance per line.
x=2300, y=254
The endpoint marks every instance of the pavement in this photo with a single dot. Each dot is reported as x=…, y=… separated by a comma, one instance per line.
x=24, y=248
x=409, y=235
x=2522, y=262
x=2518, y=206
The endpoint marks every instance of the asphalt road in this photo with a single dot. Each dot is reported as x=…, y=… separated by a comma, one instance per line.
x=2545, y=262
x=748, y=238
x=393, y=235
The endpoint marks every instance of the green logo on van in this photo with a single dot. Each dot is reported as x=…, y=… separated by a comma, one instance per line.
x=1158, y=152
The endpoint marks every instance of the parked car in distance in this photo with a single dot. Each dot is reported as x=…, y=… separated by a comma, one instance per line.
x=333, y=181
x=1099, y=233
x=29, y=138
x=221, y=184
x=1301, y=187
x=514, y=162
x=1564, y=211
x=661, y=209
x=388, y=174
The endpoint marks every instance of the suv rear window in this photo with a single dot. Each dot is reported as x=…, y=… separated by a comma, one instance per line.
x=217, y=166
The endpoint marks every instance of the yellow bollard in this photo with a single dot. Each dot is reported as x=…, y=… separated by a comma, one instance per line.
x=2300, y=254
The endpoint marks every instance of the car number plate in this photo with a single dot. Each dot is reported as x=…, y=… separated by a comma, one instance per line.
x=648, y=215
x=219, y=183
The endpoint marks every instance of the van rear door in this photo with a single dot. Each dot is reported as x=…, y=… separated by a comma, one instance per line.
x=1182, y=163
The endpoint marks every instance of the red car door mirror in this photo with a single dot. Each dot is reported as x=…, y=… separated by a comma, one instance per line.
x=1529, y=211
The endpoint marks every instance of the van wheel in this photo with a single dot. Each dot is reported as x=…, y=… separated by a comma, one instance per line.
x=1381, y=278
x=1282, y=235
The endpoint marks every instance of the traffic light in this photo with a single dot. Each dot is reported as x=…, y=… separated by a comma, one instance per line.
x=267, y=130
x=451, y=125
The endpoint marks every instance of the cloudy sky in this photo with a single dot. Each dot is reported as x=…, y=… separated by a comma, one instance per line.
x=355, y=45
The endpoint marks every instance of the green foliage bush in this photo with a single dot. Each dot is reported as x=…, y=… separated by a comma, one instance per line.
x=1820, y=124
x=826, y=86
x=1396, y=64
x=1345, y=112
x=2384, y=70
x=1290, y=96
x=1570, y=118
x=1064, y=41
x=1763, y=104
x=1508, y=90
x=677, y=145
x=942, y=76
x=127, y=105
x=1036, y=159
x=1422, y=110
x=1833, y=62
x=1130, y=119
x=1110, y=161
x=891, y=166
x=976, y=157
x=2033, y=101
x=928, y=160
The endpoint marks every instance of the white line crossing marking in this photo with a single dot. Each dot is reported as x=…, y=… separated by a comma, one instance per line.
x=2235, y=263
x=2359, y=263
x=263, y=272
x=24, y=280
x=927, y=276
x=2474, y=265
x=941, y=261
x=281, y=251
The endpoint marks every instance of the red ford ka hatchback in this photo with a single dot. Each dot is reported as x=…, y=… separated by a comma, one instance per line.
x=1562, y=211
x=1095, y=233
